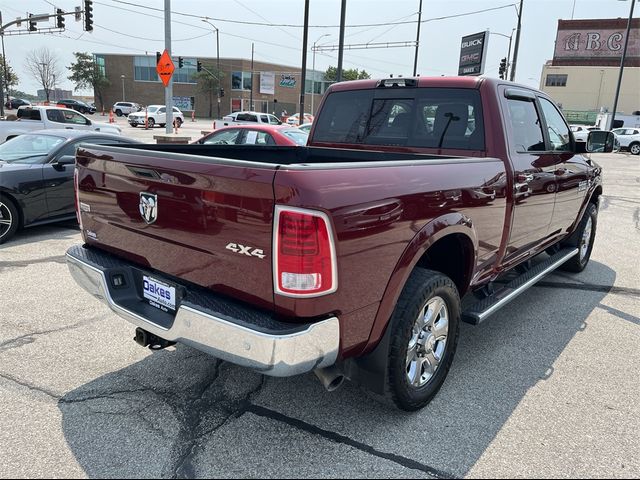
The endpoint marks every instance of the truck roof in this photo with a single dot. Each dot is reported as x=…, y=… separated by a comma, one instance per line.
x=451, y=82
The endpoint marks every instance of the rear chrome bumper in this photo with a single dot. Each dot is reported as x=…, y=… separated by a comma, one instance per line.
x=273, y=349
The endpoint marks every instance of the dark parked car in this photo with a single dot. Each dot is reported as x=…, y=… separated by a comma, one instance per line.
x=36, y=176
x=76, y=105
x=16, y=102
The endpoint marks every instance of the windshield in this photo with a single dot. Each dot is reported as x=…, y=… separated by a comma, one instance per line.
x=152, y=109
x=28, y=148
x=297, y=136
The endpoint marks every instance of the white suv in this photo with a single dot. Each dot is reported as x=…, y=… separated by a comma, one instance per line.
x=629, y=139
x=125, y=108
x=156, y=115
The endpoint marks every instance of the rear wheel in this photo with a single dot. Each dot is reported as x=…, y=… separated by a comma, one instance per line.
x=9, y=219
x=425, y=327
x=634, y=148
x=583, y=239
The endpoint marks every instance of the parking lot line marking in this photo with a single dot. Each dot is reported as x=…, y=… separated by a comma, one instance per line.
x=590, y=287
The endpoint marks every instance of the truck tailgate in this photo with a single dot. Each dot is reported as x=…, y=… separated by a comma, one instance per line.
x=204, y=220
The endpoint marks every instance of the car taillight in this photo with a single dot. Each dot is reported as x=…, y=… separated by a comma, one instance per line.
x=304, y=253
x=77, y=194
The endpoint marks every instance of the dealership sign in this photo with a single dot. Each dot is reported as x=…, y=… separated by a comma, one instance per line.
x=473, y=52
x=287, y=81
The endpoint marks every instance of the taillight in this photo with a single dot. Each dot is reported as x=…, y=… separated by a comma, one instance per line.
x=77, y=194
x=304, y=253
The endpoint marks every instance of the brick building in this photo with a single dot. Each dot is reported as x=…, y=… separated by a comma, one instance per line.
x=275, y=87
x=583, y=75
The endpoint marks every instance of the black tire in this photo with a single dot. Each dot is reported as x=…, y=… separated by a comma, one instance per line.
x=150, y=122
x=634, y=148
x=577, y=239
x=119, y=112
x=134, y=125
x=83, y=110
x=423, y=287
x=178, y=122
x=8, y=211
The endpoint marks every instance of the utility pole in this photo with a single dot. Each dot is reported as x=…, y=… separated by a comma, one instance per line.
x=515, y=50
x=303, y=80
x=341, y=42
x=251, y=89
x=609, y=125
x=168, y=91
x=415, y=62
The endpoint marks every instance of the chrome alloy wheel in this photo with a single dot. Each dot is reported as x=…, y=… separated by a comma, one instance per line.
x=428, y=342
x=6, y=219
x=586, y=238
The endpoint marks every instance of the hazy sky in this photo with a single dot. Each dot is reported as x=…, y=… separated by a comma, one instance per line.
x=439, y=39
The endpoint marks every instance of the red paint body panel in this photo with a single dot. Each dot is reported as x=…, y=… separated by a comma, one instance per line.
x=384, y=215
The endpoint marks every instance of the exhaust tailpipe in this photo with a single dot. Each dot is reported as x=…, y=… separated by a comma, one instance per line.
x=331, y=377
x=144, y=338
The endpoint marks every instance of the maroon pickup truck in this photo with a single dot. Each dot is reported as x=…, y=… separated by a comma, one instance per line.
x=356, y=256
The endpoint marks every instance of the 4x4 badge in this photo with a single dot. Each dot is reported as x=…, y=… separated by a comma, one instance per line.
x=148, y=207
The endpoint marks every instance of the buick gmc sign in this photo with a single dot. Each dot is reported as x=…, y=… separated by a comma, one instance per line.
x=473, y=51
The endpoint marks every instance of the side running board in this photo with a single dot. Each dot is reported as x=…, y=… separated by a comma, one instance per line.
x=481, y=310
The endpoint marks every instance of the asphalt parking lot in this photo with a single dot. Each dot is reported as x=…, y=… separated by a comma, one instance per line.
x=548, y=387
x=191, y=129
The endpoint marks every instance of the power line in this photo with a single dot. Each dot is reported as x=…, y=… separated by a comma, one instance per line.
x=151, y=39
x=289, y=25
x=265, y=19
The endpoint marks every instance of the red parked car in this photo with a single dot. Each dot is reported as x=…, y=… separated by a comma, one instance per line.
x=280, y=135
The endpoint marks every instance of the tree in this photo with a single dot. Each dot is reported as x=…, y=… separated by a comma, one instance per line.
x=331, y=74
x=10, y=79
x=43, y=65
x=209, y=80
x=86, y=73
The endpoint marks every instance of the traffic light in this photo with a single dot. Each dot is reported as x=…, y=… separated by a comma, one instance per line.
x=221, y=92
x=199, y=66
x=503, y=69
x=59, y=18
x=158, y=55
x=180, y=62
x=32, y=24
x=88, y=15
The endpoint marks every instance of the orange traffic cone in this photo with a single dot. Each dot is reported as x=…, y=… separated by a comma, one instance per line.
x=111, y=119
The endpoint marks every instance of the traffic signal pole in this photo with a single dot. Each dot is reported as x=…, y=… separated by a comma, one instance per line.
x=168, y=91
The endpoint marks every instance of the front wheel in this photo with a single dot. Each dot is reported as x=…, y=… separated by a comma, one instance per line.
x=119, y=112
x=9, y=219
x=150, y=122
x=583, y=239
x=425, y=326
x=177, y=122
x=634, y=148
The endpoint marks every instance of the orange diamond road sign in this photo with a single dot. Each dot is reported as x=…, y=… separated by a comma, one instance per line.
x=165, y=68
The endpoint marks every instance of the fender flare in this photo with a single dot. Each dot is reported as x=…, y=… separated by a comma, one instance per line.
x=429, y=234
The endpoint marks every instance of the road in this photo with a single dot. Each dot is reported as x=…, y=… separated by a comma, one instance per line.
x=548, y=387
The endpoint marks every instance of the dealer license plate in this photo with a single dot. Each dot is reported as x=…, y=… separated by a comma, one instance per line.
x=159, y=294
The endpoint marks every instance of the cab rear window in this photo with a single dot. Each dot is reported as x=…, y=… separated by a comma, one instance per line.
x=29, y=114
x=413, y=117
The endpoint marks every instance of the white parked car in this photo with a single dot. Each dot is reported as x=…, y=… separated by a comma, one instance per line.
x=581, y=132
x=125, y=108
x=293, y=119
x=306, y=127
x=41, y=118
x=629, y=139
x=246, y=118
x=155, y=115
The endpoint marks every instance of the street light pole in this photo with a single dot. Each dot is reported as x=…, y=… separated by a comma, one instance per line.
x=217, y=59
x=624, y=56
x=517, y=47
x=122, y=77
x=313, y=70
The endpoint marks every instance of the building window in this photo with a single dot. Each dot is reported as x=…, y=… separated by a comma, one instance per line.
x=241, y=81
x=186, y=74
x=99, y=60
x=144, y=69
x=556, y=80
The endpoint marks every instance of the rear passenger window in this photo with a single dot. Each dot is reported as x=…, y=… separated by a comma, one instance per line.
x=55, y=116
x=525, y=126
x=264, y=119
x=29, y=114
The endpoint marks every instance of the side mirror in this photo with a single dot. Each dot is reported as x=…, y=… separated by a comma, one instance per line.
x=600, y=141
x=65, y=160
